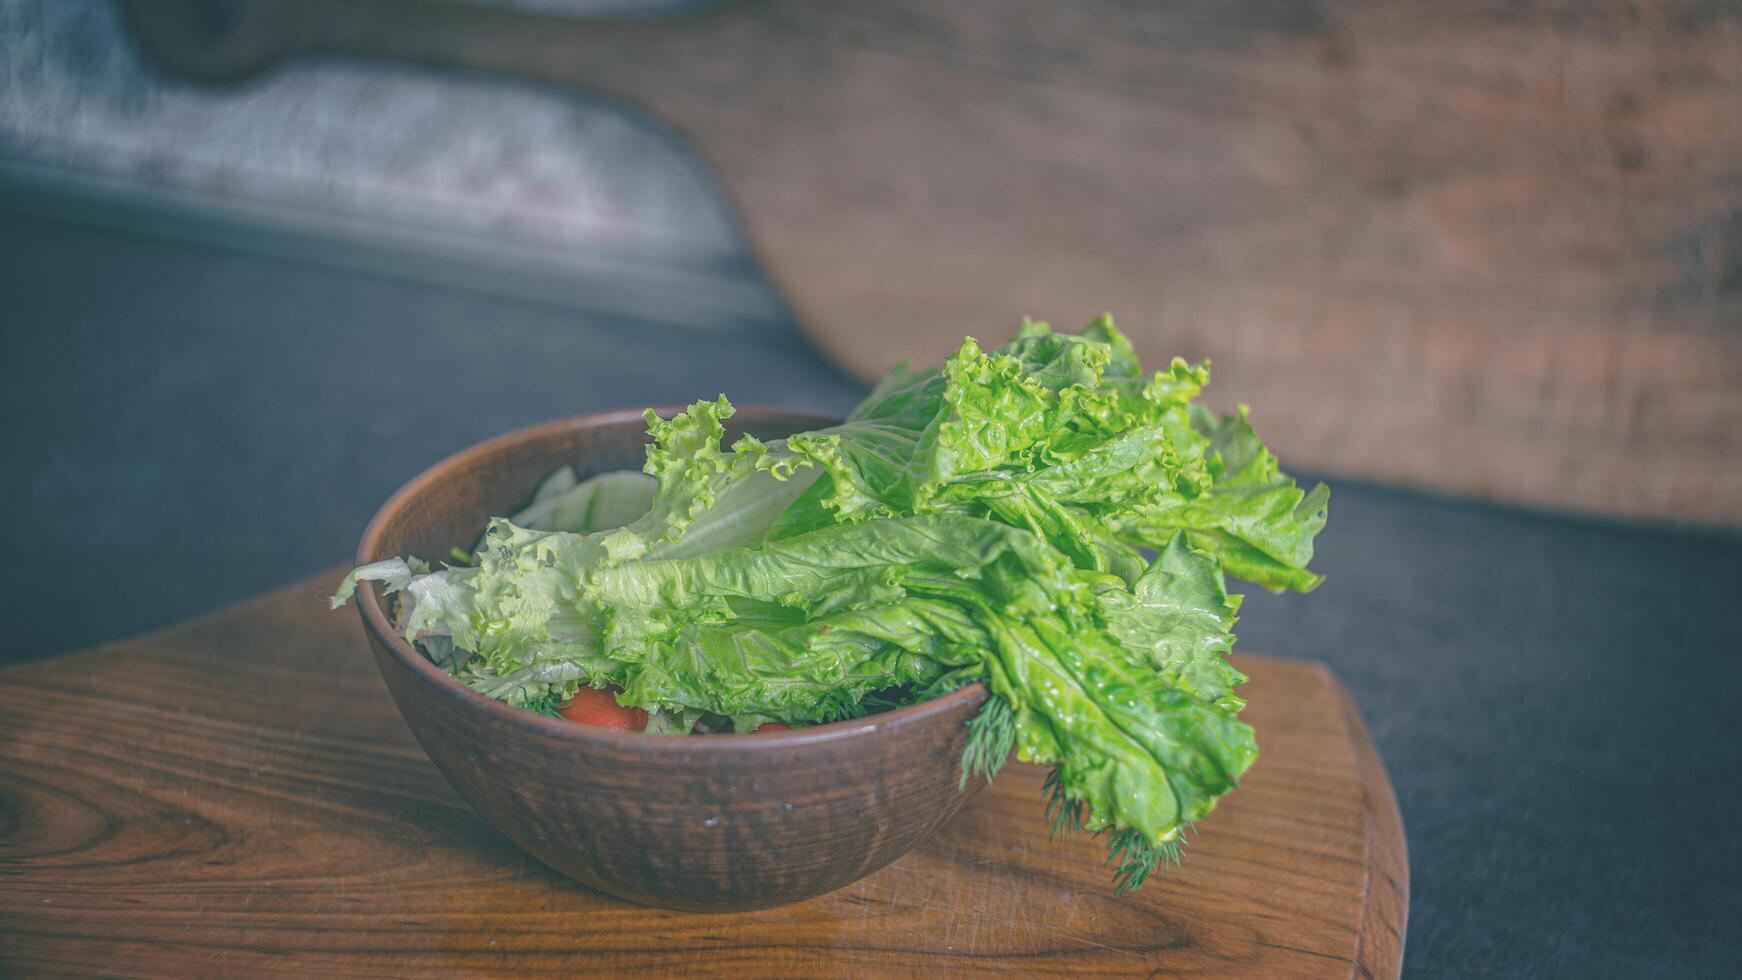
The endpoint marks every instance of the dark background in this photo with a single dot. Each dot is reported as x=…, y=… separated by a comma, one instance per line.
x=187, y=420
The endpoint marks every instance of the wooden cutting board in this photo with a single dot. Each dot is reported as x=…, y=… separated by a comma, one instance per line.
x=237, y=795
x=1491, y=248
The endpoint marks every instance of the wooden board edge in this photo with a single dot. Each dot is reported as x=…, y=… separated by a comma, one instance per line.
x=316, y=587
x=1385, y=921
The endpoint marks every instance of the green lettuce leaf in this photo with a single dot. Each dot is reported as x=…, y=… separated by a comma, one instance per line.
x=608, y=500
x=1254, y=517
x=1179, y=619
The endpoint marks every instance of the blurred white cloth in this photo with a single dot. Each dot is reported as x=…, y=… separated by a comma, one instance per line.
x=491, y=170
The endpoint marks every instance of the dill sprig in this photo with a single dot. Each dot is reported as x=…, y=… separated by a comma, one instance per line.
x=1063, y=813
x=838, y=705
x=1132, y=858
x=887, y=699
x=544, y=704
x=991, y=736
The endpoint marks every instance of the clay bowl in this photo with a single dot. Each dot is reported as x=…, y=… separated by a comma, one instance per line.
x=687, y=822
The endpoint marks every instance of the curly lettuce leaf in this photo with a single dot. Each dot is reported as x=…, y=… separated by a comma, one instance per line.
x=1254, y=517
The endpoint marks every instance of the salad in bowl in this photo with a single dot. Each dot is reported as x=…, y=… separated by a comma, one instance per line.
x=1044, y=518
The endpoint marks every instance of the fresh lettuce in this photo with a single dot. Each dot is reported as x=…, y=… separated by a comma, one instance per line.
x=1042, y=517
x=565, y=503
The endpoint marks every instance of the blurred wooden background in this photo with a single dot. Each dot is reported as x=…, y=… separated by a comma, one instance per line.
x=1485, y=248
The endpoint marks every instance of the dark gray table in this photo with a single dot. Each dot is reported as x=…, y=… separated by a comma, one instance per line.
x=1556, y=698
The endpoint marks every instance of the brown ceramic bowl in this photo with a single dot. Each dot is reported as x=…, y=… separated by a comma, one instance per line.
x=688, y=822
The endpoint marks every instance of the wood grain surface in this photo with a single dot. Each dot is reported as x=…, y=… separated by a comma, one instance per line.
x=237, y=796
x=1488, y=247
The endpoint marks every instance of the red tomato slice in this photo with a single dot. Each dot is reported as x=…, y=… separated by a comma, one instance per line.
x=771, y=726
x=595, y=706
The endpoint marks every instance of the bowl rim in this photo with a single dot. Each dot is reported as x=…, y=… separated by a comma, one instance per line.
x=375, y=620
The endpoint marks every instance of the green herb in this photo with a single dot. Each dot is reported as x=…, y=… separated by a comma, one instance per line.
x=1064, y=814
x=1043, y=517
x=1133, y=858
x=889, y=700
x=991, y=737
x=542, y=704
